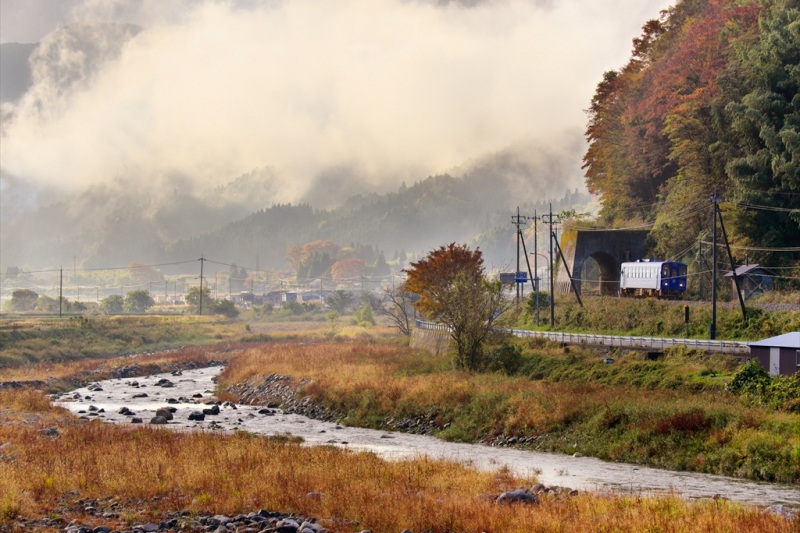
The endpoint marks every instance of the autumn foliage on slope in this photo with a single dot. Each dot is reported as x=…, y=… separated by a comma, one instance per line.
x=708, y=99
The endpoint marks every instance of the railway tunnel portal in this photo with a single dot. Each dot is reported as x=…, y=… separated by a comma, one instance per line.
x=594, y=258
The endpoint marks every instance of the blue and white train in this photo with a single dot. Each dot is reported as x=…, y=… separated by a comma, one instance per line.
x=648, y=277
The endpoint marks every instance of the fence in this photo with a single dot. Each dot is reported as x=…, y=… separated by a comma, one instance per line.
x=616, y=341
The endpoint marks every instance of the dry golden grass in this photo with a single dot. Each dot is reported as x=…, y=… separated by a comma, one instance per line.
x=398, y=376
x=229, y=474
x=100, y=368
x=368, y=383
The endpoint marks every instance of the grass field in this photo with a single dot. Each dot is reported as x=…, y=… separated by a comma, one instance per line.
x=142, y=474
x=659, y=318
x=673, y=413
x=658, y=409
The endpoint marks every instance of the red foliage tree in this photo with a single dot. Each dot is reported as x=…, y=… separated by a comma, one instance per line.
x=452, y=290
x=347, y=268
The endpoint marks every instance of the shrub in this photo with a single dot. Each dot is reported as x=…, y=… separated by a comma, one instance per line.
x=506, y=358
x=138, y=301
x=112, y=305
x=686, y=422
x=227, y=308
x=752, y=380
x=364, y=316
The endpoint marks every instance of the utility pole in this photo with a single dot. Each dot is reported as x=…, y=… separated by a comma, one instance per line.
x=202, y=260
x=60, y=289
x=550, y=221
x=518, y=221
x=713, y=330
x=536, y=261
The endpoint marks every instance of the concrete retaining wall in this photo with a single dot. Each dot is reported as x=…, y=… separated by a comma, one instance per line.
x=434, y=341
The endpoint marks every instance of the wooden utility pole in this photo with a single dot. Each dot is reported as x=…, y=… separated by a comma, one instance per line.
x=202, y=260
x=713, y=330
x=552, y=278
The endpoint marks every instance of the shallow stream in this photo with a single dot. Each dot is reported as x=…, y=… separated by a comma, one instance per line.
x=583, y=473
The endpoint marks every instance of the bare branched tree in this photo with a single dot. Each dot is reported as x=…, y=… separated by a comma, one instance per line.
x=397, y=307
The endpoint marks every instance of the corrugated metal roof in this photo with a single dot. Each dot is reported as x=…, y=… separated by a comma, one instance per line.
x=746, y=269
x=787, y=340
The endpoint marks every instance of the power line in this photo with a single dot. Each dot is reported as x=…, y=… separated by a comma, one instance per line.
x=758, y=249
x=690, y=209
x=769, y=208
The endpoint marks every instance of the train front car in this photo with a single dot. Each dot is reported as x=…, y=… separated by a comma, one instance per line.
x=651, y=278
x=673, y=279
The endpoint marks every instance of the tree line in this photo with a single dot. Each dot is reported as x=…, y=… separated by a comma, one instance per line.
x=708, y=100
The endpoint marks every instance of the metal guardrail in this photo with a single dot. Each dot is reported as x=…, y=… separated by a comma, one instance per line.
x=617, y=341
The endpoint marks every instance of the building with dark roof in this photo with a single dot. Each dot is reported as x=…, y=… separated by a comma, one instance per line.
x=778, y=355
x=753, y=280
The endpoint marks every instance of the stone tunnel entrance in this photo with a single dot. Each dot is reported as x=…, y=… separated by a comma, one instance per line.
x=600, y=275
x=594, y=258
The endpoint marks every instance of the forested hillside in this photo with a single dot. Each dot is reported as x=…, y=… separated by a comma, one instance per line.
x=709, y=99
x=410, y=221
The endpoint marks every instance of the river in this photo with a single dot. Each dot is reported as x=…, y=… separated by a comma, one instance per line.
x=194, y=387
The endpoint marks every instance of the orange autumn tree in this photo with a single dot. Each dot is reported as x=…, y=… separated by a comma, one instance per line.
x=349, y=268
x=453, y=290
x=313, y=259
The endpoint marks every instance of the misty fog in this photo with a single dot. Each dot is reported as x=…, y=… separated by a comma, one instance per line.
x=190, y=115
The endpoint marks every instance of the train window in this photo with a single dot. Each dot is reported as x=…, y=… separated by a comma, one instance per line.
x=665, y=271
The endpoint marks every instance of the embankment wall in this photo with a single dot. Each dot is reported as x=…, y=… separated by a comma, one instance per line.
x=434, y=341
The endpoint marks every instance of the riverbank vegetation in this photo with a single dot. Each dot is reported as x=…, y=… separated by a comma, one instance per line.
x=671, y=413
x=32, y=340
x=56, y=469
x=40, y=342
x=675, y=412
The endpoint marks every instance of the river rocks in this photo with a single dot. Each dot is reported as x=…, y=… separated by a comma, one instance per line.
x=213, y=410
x=197, y=416
x=782, y=510
x=158, y=420
x=125, y=411
x=188, y=521
x=164, y=382
x=518, y=496
x=136, y=420
x=164, y=413
x=50, y=432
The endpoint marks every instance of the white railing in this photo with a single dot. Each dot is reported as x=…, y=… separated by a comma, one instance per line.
x=654, y=343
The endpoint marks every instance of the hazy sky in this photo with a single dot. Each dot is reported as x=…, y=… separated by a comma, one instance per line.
x=388, y=89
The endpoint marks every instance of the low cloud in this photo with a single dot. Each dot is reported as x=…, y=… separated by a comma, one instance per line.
x=376, y=91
